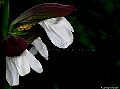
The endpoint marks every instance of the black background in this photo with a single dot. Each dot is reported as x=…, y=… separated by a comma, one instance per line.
x=77, y=67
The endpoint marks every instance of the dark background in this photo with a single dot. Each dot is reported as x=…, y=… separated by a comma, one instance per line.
x=92, y=61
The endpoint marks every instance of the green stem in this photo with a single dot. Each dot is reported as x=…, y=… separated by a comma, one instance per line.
x=5, y=18
x=5, y=30
x=7, y=86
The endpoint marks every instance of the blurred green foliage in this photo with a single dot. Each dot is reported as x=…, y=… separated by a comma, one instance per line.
x=84, y=33
x=56, y=86
x=108, y=5
x=1, y=3
x=7, y=86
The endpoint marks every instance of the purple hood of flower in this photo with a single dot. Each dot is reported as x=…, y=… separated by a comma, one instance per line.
x=13, y=45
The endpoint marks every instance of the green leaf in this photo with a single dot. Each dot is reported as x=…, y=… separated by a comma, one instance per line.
x=108, y=5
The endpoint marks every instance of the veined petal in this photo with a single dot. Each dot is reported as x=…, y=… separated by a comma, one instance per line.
x=41, y=47
x=34, y=63
x=59, y=31
x=22, y=64
x=33, y=50
x=12, y=75
x=9, y=75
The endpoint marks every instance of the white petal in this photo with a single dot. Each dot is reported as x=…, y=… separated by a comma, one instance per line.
x=34, y=63
x=9, y=75
x=41, y=47
x=12, y=75
x=67, y=24
x=33, y=50
x=59, y=31
x=22, y=63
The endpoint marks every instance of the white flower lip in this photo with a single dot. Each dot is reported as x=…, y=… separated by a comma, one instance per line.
x=59, y=31
x=20, y=65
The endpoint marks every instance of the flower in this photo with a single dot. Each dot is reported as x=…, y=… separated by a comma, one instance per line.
x=59, y=30
x=18, y=59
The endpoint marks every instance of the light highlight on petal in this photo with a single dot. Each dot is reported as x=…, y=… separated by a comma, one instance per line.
x=12, y=75
x=22, y=64
x=41, y=47
x=34, y=63
x=33, y=50
x=59, y=31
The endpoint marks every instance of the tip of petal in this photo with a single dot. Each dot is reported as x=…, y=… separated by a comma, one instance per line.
x=46, y=58
x=65, y=45
x=41, y=47
x=40, y=71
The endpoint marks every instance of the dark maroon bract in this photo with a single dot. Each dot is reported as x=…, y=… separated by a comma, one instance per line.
x=44, y=11
x=14, y=45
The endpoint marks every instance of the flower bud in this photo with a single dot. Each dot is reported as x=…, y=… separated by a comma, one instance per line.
x=14, y=45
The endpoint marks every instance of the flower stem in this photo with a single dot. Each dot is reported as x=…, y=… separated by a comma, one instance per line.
x=7, y=86
x=5, y=30
x=5, y=18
